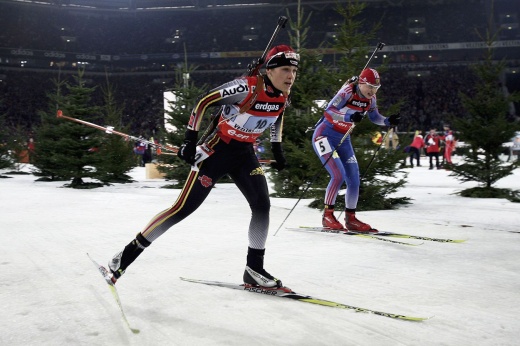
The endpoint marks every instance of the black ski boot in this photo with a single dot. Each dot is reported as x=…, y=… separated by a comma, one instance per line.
x=123, y=259
x=255, y=274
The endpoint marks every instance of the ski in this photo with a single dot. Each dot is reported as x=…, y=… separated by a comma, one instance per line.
x=373, y=236
x=111, y=285
x=391, y=234
x=285, y=292
x=410, y=236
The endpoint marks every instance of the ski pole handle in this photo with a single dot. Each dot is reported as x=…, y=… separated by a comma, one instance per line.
x=379, y=46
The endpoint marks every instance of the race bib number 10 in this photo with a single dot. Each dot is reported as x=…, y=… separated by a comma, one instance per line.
x=248, y=123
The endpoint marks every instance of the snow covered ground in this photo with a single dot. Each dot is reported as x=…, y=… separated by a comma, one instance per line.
x=52, y=295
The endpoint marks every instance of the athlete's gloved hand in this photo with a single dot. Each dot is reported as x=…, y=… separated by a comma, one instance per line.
x=393, y=120
x=357, y=117
x=189, y=147
x=353, y=80
x=281, y=162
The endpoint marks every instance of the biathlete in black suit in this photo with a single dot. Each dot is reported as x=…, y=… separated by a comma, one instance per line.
x=249, y=106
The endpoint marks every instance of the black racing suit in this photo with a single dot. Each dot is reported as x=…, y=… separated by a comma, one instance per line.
x=248, y=107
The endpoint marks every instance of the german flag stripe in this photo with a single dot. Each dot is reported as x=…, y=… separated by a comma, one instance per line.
x=213, y=141
x=201, y=107
x=174, y=209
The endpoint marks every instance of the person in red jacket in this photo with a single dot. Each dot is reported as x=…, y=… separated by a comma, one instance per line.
x=432, y=142
x=449, y=146
x=415, y=149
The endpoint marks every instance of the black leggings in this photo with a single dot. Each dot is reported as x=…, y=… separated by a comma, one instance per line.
x=432, y=155
x=414, y=153
x=236, y=159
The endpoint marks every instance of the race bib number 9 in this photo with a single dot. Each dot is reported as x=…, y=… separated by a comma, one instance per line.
x=322, y=145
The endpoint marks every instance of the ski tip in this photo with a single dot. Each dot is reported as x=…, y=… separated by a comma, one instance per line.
x=408, y=318
x=458, y=241
x=421, y=319
x=191, y=280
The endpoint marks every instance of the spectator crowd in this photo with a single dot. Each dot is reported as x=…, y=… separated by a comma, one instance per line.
x=431, y=96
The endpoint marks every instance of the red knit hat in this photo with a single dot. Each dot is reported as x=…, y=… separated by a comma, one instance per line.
x=282, y=55
x=370, y=76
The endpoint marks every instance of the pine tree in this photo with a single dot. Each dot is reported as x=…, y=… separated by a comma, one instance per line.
x=46, y=136
x=484, y=129
x=185, y=95
x=6, y=160
x=116, y=156
x=67, y=150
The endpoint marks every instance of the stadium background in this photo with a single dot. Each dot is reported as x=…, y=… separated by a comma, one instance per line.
x=138, y=43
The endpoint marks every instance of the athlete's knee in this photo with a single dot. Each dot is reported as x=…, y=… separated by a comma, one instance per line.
x=261, y=205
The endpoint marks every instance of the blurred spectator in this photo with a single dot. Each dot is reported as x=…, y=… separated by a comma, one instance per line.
x=415, y=149
x=449, y=145
x=140, y=150
x=432, y=142
x=30, y=149
x=391, y=137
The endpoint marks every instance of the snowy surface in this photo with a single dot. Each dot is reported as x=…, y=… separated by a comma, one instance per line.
x=51, y=294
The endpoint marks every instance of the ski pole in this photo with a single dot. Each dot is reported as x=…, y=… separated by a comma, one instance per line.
x=375, y=154
x=316, y=175
x=110, y=130
x=379, y=46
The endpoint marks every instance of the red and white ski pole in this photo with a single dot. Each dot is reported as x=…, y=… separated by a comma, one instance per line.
x=110, y=130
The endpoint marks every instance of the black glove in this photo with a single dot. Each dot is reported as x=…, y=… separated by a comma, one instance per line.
x=188, y=148
x=281, y=162
x=353, y=80
x=357, y=117
x=394, y=119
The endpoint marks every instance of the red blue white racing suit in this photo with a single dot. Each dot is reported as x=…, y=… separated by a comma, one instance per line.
x=331, y=128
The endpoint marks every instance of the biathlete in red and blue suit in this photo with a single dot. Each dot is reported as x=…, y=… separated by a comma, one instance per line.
x=356, y=98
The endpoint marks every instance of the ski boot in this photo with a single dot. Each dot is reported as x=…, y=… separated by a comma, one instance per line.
x=118, y=264
x=353, y=224
x=329, y=221
x=255, y=274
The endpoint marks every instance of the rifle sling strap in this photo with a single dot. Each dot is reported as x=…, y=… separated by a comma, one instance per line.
x=248, y=103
